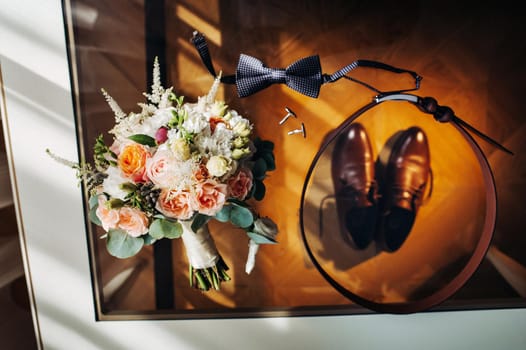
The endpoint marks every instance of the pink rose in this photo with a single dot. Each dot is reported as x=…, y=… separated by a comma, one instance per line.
x=133, y=221
x=158, y=168
x=210, y=197
x=240, y=184
x=176, y=204
x=108, y=217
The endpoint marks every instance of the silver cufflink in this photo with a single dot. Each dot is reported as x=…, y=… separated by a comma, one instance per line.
x=299, y=131
x=290, y=113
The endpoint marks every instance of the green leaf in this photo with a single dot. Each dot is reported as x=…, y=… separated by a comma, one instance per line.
x=199, y=221
x=128, y=187
x=260, y=167
x=94, y=201
x=143, y=140
x=250, y=193
x=260, y=239
x=268, y=145
x=121, y=245
x=238, y=202
x=156, y=229
x=160, y=228
x=269, y=160
x=173, y=229
x=264, y=145
x=224, y=214
x=93, y=216
x=115, y=203
x=241, y=216
x=148, y=240
x=259, y=191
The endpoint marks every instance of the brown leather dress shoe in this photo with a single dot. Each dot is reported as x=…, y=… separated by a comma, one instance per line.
x=404, y=164
x=355, y=186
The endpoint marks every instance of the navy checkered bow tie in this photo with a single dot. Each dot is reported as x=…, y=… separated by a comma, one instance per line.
x=303, y=76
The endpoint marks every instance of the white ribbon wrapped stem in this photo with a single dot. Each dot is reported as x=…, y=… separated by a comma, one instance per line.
x=253, y=248
x=200, y=246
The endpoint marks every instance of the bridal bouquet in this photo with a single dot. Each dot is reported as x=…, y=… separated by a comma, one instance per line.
x=171, y=168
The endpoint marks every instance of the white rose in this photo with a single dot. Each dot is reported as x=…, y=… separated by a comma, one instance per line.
x=217, y=166
x=111, y=184
x=266, y=227
x=181, y=149
x=195, y=122
x=242, y=128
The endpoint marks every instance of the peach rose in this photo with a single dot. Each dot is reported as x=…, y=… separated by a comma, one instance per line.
x=133, y=221
x=201, y=173
x=176, y=204
x=132, y=161
x=210, y=197
x=158, y=168
x=108, y=217
x=240, y=184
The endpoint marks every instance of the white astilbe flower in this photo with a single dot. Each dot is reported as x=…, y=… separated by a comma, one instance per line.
x=164, y=101
x=157, y=89
x=147, y=109
x=128, y=126
x=119, y=114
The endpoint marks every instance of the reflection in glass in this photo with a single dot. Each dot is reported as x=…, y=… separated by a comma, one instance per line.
x=396, y=205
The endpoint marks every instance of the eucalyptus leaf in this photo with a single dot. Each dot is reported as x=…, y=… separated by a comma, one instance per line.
x=199, y=221
x=224, y=214
x=93, y=216
x=148, y=240
x=121, y=245
x=269, y=160
x=260, y=239
x=161, y=228
x=156, y=229
x=241, y=216
x=260, y=168
x=260, y=189
x=250, y=193
x=238, y=202
x=264, y=145
x=143, y=140
x=94, y=201
x=173, y=229
x=268, y=145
